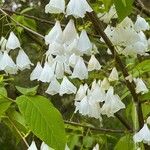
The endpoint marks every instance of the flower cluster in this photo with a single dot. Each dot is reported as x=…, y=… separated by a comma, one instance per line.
x=77, y=8
x=88, y=101
x=64, y=57
x=129, y=37
x=6, y=62
x=143, y=135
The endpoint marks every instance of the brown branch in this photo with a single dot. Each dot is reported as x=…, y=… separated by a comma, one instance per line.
x=140, y=6
x=94, y=128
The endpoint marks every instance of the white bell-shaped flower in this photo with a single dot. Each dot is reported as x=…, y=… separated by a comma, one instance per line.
x=55, y=49
x=105, y=84
x=86, y=108
x=141, y=24
x=47, y=73
x=66, y=147
x=98, y=94
x=32, y=146
x=78, y=8
x=73, y=60
x=107, y=16
x=36, y=72
x=3, y=42
x=54, y=87
x=22, y=60
x=81, y=93
x=113, y=75
x=70, y=33
x=12, y=42
x=143, y=135
x=55, y=6
x=148, y=120
x=96, y=147
x=59, y=70
x=55, y=35
x=80, y=70
x=67, y=87
x=7, y=64
x=112, y=103
x=93, y=64
x=140, y=86
x=84, y=45
x=45, y=147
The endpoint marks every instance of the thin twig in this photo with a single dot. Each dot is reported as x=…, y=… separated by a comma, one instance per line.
x=19, y=24
x=94, y=128
x=140, y=6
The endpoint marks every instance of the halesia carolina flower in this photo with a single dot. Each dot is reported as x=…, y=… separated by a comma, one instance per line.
x=148, y=120
x=54, y=87
x=98, y=94
x=105, y=84
x=22, y=60
x=96, y=147
x=141, y=24
x=78, y=8
x=93, y=64
x=12, y=42
x=73, y=60
x=44, y=146
x=55, y=6
x=69, y=33
x=113, y=75
x=32, y=146
x=85, y=107
x=112, y=103
x=80, y=70
x=36, y=72
x=55, y=35
x=7, y=64
x=3, y=42
x=106, y=17
x=140, y=86
x=81, y=93
x=47, y=73
x=84, y=45
x=67, y=87
x=143, y=135
x=59, y=70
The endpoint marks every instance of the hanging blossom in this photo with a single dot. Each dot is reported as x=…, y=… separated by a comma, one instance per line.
x=87, y=101
x=127, y=40
x=113, y=75
x=107, y=16
x=77, y=8
x=55, y=6
x=96, y=147
x=140, y=86
x=64, y=57
x=143, y=135
x=6, y=62
x=112, y=103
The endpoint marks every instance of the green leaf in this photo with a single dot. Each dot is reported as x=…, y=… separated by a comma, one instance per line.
x=123, y=7
x=3, y=92
x=44, y=120
x=141, y=68
x=107, y=4
x=27, y=91
x=4, y=105
x=4, y=101
x=125, y=143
